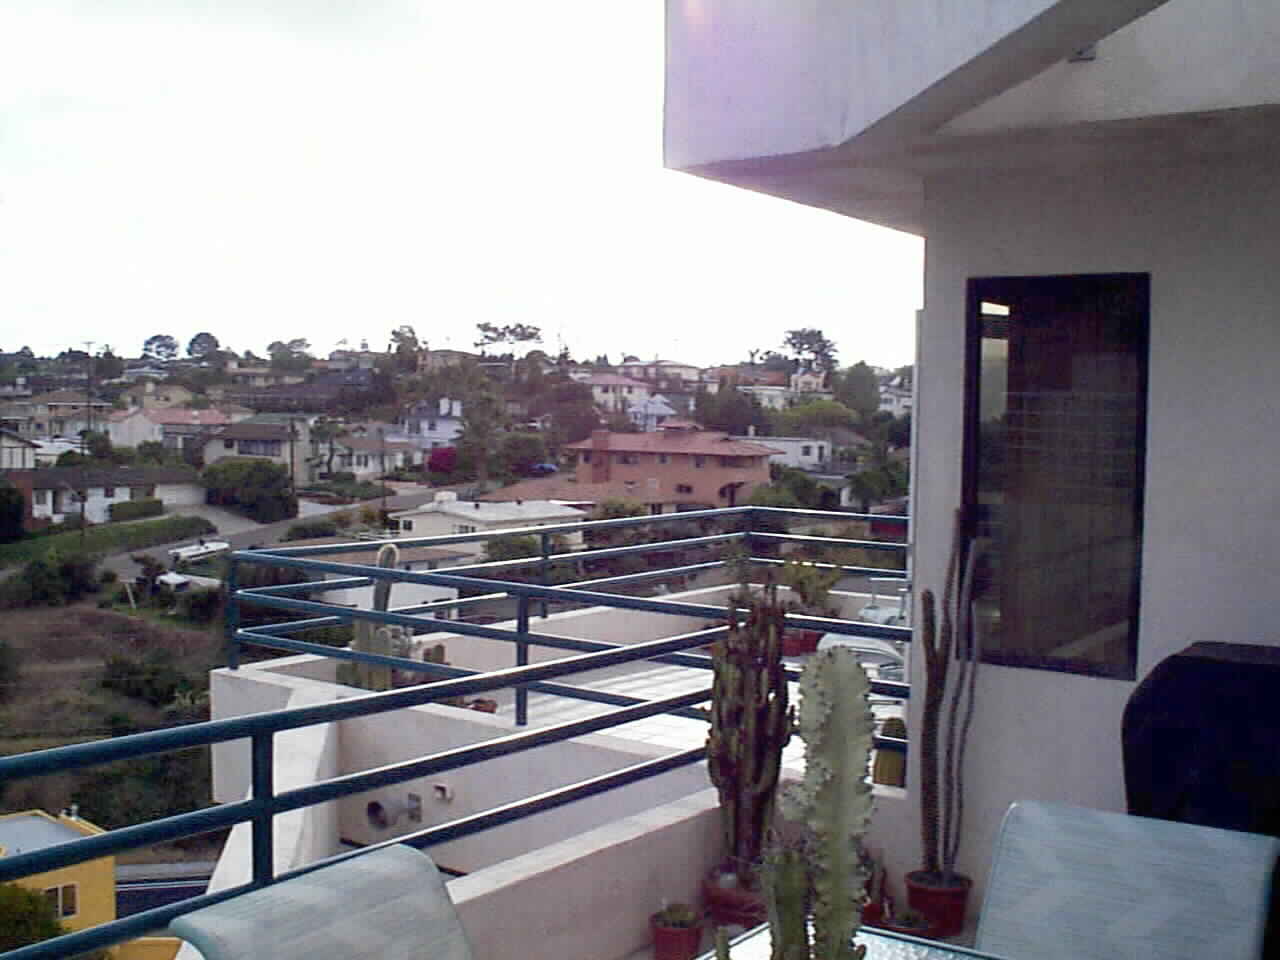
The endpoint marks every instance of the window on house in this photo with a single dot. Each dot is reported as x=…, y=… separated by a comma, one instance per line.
x=822, y=453
x=464, y=528
x=630, y=458
x=684, y=488
x=663, y=458
x=108, y=492
x=699, y=461
x=586, y=456
x=64, y=899
x=1055, y=421
x=806, y=450
x=431, y=425
x=406, y=526
x=40, y=498
x=228, y=444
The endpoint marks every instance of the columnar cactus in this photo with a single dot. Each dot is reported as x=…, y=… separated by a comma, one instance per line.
x=750, y=724
x=824, y=874
x=367, y=639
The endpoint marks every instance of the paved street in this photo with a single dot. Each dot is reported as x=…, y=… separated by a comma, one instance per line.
x=242, y=533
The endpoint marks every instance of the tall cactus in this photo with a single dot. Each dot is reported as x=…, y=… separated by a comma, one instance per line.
x=833, y=805
x=750, y=724
x=368, y=639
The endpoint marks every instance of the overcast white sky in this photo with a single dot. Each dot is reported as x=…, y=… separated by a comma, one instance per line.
x=333, y=169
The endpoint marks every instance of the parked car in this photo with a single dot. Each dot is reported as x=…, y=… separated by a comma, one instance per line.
x=543, y=469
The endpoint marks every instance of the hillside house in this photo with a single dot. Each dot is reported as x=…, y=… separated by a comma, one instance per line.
x=431, y=425
x=62, y=413
x=177, y=428
x=281, y=439
x=54, y=493
x=16, y=451
x=446, y=514
x=152, y=395
x=614, y=393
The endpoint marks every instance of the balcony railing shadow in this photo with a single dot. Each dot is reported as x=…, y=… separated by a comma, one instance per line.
x=759, y=530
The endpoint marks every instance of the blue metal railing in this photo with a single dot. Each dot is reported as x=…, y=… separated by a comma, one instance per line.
x=265, y=802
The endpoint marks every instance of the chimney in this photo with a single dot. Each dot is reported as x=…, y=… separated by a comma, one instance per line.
x=599, y=456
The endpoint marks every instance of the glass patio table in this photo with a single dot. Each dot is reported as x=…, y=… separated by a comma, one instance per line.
x=881, y=945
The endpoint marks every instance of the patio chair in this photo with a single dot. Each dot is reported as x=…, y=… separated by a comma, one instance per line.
x=390, y=904
x=1067, y=882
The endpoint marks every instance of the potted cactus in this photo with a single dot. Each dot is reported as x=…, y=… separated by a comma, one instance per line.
x=814, y=870
x=677, y=932
x=750, y=724
x=937, y=890
x=811, y=590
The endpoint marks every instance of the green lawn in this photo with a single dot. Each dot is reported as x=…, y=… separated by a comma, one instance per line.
x=106, y=538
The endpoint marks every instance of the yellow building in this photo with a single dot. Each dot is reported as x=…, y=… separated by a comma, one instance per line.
x=84, y=894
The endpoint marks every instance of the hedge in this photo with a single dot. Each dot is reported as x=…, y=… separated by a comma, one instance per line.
x=107, y=538
x=135, y=509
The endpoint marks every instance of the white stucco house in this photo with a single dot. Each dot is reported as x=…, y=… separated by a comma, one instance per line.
x=54, y=493
x=16, y=451
x=1095, y=179
x=447, y=514
x=651, y=412
x=803, y=453
x=431, y=425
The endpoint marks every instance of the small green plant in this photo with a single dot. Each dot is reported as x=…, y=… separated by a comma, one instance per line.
x=678, y=915
x=810, y=585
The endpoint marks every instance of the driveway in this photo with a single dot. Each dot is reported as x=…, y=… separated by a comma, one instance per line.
x=243, y=533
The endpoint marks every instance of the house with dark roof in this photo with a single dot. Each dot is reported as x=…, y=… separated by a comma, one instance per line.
x=54, y=494
x=16, y=451
x=282, y=439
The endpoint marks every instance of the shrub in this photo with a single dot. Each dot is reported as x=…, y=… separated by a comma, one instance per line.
x=443, y=460
x=341, y=477
x=201, y=606
x=51, y=580
x=310, y=529
x=13, y=507
x=154, y=681
x=135, y=509
x=26, y=917
x=10, y=670
x=259, y=489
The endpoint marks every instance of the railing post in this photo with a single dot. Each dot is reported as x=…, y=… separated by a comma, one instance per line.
x=231, y=646
x=546, y=568
x=263, y=780
x=522, y=658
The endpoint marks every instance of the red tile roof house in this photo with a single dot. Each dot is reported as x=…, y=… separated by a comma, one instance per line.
x=668, y=470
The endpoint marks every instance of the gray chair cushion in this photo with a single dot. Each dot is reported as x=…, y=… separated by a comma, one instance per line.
x=389, y=904
x=1082, y=884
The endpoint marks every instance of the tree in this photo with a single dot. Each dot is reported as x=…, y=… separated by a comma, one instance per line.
x=201, y=345
x=328, y=432
x=520, y=451
x=819, y=416
x=260, y=489
x=809, y=343
x=26, y=917
x=160, y=347
x=858, y=388
x=570, y=409
x=404, y=345
x=512, y=333
x=290, y=355
x=482, y=419
x=13, y=509
x=108, y=366
x=511, y=547
x=730, y=410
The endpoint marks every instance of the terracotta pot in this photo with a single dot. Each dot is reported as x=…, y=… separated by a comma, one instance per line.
x=944, y=904
x=674, y=943
x=729, y=906
x=797, y=643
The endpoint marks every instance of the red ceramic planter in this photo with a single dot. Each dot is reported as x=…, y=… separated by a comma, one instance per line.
x=675, y=943
x=944, y=904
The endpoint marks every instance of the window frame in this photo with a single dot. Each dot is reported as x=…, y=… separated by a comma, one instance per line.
x=976, y=292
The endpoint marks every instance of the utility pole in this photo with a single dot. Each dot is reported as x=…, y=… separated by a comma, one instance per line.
x=382, y=463
x=84, y=439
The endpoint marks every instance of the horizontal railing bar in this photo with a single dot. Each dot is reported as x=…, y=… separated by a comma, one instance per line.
x=447, y=671
x=126, y=838
x=703, y=611
x=882, y=573
x=579, y=526
x=69, y=757
x=390, y=774
x=829, y=541
x=829, y=514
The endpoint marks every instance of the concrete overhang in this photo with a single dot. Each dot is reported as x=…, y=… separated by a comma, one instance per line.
x=876, y=145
